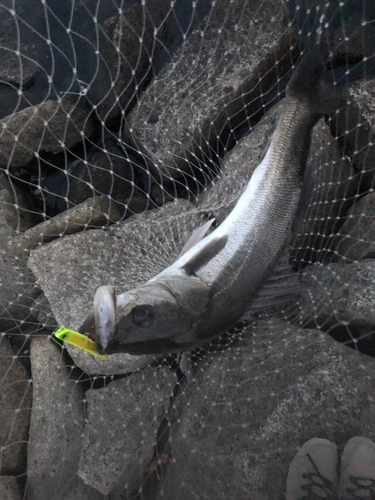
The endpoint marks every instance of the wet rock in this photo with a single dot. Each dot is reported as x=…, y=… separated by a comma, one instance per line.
x=109, y=171
x=238, y=166
x=247, y=410
x=17, y=288
x=120, y=433
x=15, y=208
x=355, y=240
x=226, y=69
x=50, y=127
x=125, y=255
x=15, y=404
x=329, y=188
x=9, y=489
x=92, y=213
x=57, y=421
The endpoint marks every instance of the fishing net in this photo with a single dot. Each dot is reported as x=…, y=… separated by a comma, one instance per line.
x=124, y=126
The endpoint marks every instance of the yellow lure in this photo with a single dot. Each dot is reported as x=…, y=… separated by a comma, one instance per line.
x=78, y=340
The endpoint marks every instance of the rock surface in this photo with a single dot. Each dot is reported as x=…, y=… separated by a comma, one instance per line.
x=57, y=420
x=226, y=68
x=247, y=410
x=15, y=208
x=50, y=127
x=120, y=434
x=15, y=405
x=355, y=240
x=9, y=489
x=124, y=256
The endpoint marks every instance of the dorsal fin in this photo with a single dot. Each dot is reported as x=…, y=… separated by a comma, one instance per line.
x=207, y=253
x=196, y=236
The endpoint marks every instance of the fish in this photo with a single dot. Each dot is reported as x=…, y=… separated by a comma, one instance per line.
x=212, y=283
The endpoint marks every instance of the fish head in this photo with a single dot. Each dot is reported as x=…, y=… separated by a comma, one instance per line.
x=156, y=318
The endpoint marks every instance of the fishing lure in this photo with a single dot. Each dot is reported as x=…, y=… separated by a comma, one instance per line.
x=78, y=340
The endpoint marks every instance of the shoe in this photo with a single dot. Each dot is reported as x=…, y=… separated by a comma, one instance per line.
x=357, y=480
x=313, y=472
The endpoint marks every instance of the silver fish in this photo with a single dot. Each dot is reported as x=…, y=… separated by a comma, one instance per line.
x=210, y=286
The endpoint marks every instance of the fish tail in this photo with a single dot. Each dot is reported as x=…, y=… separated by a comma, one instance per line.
x=307, y=84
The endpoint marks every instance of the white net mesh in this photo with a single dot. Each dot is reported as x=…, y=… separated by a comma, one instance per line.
x=125, y=125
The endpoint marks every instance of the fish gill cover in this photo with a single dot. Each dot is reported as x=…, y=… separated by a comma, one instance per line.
x=124, y=127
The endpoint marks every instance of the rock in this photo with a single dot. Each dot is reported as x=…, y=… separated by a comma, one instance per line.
x=120, y=434
x=247, y=411
x=50, y=127
x=227, y=68
x=363, y=95
x=238, y=166
x=15, y=208
x=57, y=421
x=70, y=269
x=41, y=309
x=15, y=404
x=17, y=289
x=94, y=212
x=108, y=170
x=339, y=295
x=355, y=239
x=9, y=489
x=329, y=188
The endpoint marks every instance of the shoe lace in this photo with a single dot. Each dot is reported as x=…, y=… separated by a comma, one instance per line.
x=320, y=483
x=361, y=485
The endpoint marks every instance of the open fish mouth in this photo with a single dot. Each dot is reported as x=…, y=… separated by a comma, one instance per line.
x=106, y=309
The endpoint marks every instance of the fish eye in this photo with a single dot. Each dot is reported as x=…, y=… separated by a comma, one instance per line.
x=142, y=315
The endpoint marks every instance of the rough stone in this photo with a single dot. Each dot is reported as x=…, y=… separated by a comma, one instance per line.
x=15, y=209
x=9, y=489
x=17, y=288
x=15, y=405
x=329, y=188
x=120, y=433
x=94, y=212
x=41, y=309
x=125, y=255
x=57, y=421
x=238, y=166
x=339, y=294
x=225, y=68
x=247, y=411
x=50, y=127
x=355, y=239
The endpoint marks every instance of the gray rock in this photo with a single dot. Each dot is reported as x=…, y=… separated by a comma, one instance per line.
x=15, y=404
x=120, y=434
x=9, y=489
x=329, y=188
x=355, y=239
x=225, y=68
x=238, y=166
x=92, y=213
x=70, y=269
x=17, y=289
x=41, y=309
x=363, y=95
x=15, y=209
x=240, y=421
x=57, y=421
x=50, y=127
x=339, y=294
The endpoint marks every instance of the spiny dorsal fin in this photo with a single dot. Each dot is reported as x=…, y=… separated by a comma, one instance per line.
x=207, y=253
x=196, y=236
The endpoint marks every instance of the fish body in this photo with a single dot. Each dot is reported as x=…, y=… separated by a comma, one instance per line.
x=210, y=286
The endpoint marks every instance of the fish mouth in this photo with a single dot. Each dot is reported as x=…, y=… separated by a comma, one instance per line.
x=106, y=309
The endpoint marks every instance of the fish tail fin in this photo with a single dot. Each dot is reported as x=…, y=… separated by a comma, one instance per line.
x=307, y=83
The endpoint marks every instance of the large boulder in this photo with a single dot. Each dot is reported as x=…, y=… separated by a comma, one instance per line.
x=248, y=410
x=15, y=406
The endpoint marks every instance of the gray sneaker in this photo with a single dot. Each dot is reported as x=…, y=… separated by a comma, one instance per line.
x=313, y=472
x=357, y=480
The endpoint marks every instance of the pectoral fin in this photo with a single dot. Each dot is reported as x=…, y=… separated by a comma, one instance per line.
x=196, y=236
x=207, y=253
